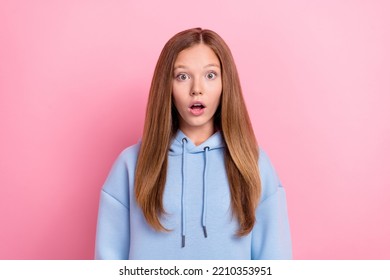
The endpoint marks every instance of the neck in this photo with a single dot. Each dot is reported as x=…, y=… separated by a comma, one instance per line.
x=198, y=135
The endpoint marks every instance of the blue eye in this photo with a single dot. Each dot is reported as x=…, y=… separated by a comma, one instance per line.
x=211, y=75
x=182, y=77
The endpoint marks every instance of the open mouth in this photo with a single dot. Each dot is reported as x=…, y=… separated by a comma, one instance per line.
x=197, y=109
x=197, y=106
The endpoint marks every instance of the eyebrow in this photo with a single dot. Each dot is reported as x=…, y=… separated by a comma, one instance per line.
x=208, y=65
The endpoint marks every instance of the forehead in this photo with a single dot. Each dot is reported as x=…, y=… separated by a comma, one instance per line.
x=199, y=54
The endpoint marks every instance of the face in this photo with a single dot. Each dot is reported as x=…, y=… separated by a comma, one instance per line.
x=197, y=88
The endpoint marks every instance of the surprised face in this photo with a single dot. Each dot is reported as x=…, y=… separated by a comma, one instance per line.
x=197, y=89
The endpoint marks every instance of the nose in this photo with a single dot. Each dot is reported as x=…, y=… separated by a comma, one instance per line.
x=195, y=93
x=196, y=87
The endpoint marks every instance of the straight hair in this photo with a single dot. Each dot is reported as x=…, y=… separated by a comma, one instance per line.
x=231, y=118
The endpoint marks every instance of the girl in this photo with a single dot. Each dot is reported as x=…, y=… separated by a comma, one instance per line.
x=197, y=186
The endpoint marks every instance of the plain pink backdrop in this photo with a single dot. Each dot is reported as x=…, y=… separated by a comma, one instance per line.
x=74, y=80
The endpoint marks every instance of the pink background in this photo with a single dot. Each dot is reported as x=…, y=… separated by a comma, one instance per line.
x=74, y=79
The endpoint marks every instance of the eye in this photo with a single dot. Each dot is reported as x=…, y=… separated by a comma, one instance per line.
x=182, y=77
x=211, y=75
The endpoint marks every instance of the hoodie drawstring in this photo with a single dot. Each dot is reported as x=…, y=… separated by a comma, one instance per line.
x=183, y=192
x=206, y=150
x=184, y=183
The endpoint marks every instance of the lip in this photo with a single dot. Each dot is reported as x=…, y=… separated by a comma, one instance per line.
x=196, y=112
x=196, y=102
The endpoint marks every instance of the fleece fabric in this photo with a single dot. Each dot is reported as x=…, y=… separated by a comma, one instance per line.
x=197, y=202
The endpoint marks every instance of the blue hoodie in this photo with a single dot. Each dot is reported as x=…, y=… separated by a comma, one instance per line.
x=197, y=202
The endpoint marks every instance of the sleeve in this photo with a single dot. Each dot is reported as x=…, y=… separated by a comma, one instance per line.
x=113, y=225
x=271, y=234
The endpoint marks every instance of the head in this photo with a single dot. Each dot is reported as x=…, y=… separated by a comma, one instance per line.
x=164, y=76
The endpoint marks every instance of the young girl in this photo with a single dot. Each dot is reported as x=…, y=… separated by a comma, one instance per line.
x=197, y=186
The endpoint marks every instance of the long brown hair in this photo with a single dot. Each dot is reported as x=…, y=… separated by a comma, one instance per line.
x=161, y=124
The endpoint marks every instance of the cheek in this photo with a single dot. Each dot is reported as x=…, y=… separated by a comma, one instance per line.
x=217, y=94
x=175, y=95
x=178, y=100
x=178, y=93
x=216, y=88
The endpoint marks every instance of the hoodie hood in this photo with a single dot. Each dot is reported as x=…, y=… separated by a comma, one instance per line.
x=215, y=141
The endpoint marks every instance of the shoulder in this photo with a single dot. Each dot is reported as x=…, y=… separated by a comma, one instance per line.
x=127, y=158
x=130, y=153
x=268, y=176
x=120, y=177
x=122, y=171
